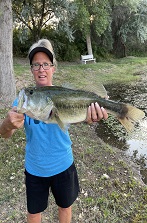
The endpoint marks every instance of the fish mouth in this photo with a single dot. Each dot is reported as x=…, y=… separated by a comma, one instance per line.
x=51, y=114
x=22, y=101
x=21, y=97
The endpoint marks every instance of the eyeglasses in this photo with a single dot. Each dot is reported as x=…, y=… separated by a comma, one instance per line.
x=45, y=66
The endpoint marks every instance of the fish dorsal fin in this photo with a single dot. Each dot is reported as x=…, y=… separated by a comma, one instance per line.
x=69, y=86
x=98, y=89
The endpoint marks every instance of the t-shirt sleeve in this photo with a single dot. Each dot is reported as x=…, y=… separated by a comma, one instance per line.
x=15, y=102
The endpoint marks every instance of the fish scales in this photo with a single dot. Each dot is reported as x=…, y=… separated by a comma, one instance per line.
x=55, y=104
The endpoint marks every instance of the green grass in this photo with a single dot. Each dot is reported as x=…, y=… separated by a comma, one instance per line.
x=118, y=71
x=105, y=72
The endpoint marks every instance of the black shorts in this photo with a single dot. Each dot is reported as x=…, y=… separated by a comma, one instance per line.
x=64, y=186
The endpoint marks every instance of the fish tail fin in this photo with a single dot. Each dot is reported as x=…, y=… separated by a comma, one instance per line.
x=131, y=116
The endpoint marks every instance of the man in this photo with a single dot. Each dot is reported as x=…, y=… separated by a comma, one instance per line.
x=49, y=161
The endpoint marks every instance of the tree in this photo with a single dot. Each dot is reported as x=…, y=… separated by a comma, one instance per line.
x=122, y=14
x=7, y=83
x=32, y=16
x=93, y=15
x=139, y=22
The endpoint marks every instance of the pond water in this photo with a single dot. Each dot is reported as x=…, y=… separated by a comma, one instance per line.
x=135, y=143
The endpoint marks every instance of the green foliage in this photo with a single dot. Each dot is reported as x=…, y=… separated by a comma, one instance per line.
x=141, y=21
x=32, y=16
x=71, y=53
x=128, y=20
x=135, y=48
x=101, y=16
x=134, y=24
x=20, y=47
x=133, y=4
x=64, y=49
x=92, y=14
x=115, y=27
x=82, y=20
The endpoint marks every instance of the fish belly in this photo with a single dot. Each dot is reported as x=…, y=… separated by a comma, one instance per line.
x=72, y=115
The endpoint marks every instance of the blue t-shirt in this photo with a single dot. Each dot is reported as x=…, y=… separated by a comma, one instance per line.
x=48, y=148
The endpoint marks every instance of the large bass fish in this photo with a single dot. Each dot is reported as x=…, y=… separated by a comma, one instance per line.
x=55, y=104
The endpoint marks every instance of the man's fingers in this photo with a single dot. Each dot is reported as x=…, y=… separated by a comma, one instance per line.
x=95, y=113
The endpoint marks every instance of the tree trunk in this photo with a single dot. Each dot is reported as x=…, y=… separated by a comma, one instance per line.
x=7, y=82
x=119, y=48
x=89, y=47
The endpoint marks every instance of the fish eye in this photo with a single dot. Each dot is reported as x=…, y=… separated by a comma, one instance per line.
x=31, y=91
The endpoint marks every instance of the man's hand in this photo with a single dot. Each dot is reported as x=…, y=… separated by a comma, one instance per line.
x=12, y=122
x=95, y=113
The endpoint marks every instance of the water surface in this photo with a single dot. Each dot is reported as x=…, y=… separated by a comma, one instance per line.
x=134, y=144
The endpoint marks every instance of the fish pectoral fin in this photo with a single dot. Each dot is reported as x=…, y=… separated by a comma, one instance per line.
x=55, y=116
x=60, y=123
x=132, y=116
